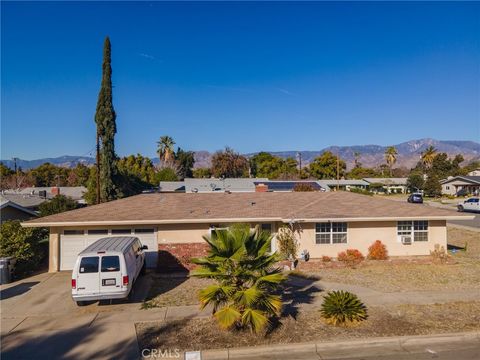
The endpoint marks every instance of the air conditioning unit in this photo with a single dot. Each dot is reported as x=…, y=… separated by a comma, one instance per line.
x=406, y=240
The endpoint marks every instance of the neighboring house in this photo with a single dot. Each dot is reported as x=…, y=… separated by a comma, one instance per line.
x=221, y=185
x=10, y=210
x=172, y=186
x=388, y=185
x=173, y=224
x=475, y=172
x=343, y=184
x=461, y=185
x=32, y=197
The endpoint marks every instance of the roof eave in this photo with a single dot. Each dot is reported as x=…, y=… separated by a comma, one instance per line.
x=229, y=220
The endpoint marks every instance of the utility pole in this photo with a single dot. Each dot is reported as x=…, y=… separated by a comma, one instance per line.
x=16, y=173
x=98, y=168
x=338, y=172
x=299, y=154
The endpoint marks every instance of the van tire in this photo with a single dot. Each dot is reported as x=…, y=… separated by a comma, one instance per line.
x=143, y=271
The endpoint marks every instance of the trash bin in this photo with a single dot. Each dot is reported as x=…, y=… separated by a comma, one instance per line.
x=6, y=269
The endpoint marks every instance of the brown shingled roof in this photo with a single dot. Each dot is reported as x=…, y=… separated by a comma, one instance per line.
x=275, y=206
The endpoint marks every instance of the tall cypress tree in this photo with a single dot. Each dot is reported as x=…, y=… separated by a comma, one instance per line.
x=106, y=129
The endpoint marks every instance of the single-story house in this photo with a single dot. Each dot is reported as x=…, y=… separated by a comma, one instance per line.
x=343, y=184
x=461, y=185
x=174, y=224
x=10, y=210
x=388, y=185
x=32, y=197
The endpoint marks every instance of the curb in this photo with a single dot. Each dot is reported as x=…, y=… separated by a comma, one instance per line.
x=348, y=348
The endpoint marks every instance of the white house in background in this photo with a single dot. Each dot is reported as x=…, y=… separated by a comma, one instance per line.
x=461, y=185
x=389, y=185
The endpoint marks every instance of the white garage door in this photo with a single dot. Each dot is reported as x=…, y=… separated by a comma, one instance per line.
x=72, y=242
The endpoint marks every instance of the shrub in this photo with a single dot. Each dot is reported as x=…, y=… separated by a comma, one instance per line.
x=377, y=251
x=58, y=204
x=361, y=191
x=439, y=254
x=326, y=258
x=351, y=257
x=343, y=308
x=287, y=243
x=303, y=187
x=25, y=244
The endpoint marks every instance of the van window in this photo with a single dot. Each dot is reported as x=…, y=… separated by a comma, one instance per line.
x=110, y=263
x=89, y=265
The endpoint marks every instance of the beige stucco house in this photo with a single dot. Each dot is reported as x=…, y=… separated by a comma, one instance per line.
x=172, y=225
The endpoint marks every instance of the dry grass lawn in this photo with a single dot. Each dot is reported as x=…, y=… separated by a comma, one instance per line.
x=201, y=334
x=464, y=274
x=384, y=276
x=174, y=291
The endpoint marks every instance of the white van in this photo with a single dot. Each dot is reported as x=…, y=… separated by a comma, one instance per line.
x=107, y=269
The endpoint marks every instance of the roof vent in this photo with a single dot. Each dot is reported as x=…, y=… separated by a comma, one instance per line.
x=253, y=203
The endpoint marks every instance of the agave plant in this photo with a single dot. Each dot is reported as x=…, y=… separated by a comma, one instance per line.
x=343, y=308
x=246, y=278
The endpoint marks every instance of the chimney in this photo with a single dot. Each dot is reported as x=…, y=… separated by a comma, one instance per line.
x=55, y=191
x=261, y=188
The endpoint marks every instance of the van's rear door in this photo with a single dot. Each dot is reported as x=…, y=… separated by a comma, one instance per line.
x=88, y=278
x=110, y=274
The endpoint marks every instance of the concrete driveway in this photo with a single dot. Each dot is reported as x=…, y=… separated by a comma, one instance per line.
x=40, y=320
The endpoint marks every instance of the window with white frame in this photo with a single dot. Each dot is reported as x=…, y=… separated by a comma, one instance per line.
x=331, y=233
x=418, y=230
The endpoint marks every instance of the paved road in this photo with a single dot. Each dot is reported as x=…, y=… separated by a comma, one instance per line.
x=461, y=353
x=475, y=223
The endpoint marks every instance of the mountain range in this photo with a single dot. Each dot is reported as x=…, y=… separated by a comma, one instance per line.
x=370, y=155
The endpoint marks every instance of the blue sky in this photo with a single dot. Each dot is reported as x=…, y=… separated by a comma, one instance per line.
x=254, y=76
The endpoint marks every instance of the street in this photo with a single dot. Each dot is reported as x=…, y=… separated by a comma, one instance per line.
x=475, y=223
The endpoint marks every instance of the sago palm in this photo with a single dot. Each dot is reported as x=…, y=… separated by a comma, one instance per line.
x=246, y=278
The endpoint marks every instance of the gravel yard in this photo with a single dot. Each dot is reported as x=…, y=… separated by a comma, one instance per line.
x=201, y=334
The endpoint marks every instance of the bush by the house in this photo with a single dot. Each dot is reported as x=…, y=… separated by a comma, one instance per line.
x=377, y=251
x=439, y=254
x=28, y=245
x=343, y=308
x=351, y=257
x=326, y=258
x=360, y=191
x=287, y=242
x=246, y=278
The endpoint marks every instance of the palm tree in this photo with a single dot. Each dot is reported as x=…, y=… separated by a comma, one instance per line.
x=427, y=156
x=246, y=278
x=165, y=149
x=356, y=156
x=391, y=157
